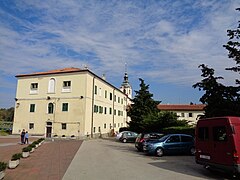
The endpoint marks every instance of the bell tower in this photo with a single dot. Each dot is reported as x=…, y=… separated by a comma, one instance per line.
x=126, y=87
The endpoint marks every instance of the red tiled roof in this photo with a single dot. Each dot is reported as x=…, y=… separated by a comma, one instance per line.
x=188, y=107
x=56, y=71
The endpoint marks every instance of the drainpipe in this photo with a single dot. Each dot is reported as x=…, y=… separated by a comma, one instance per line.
x=113, y=108
x=92, y=106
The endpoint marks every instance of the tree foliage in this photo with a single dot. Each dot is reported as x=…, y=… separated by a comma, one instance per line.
x=222, y=100
x=233, y=47
x=146, y=117
x=142, y=105
x=6, y=114
x=160, y=120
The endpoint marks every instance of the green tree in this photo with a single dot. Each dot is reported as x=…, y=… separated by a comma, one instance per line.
x=6, y=114
x=143, y=105
x=157, y=121
x=233, y=47
x=220, y=100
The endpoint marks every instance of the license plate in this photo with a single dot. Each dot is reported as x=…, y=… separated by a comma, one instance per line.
x=205, y=157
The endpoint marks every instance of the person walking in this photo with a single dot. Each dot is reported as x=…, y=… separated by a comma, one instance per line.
x=26, y=138
x=22, y=136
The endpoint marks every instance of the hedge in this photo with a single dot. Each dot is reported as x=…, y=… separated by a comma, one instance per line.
x=179, y=130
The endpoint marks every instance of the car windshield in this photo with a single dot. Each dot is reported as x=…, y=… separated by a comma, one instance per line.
x=163, y=138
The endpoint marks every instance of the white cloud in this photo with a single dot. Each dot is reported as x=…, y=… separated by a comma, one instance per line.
x=161, y=41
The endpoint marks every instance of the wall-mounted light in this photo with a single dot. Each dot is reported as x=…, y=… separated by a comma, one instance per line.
x=16, y=99
x=17, y=105
x=81, y=97
x=48, y=98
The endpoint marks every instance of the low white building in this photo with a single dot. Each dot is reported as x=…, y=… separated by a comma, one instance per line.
x=189, y=112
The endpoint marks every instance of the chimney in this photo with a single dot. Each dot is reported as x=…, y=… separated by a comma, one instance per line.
x=103, y=76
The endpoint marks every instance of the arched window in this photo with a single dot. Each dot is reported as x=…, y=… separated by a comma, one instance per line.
x=50, y=108
x=51, y=86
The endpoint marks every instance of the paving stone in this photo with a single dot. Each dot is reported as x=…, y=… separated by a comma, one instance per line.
x=49, y=161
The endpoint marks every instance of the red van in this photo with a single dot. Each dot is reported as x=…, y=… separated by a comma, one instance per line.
x=218, y=143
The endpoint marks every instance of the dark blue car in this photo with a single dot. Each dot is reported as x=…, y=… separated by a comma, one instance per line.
x=170, y=144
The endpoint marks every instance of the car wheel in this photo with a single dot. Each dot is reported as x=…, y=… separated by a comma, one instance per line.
x=192, y=151
x=124, y=140
x=159, y=152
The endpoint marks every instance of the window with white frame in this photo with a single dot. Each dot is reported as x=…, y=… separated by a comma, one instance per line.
x=95, y=108
x=32, y=107
x=31, y=125
x=64, y=106
x=110, y=96
x=66, y=86
x=105, y=93
x=51, y=86
x=100, y=109
x=95, y=90
x=34, y=88
x=50, y=108
x=64, y=126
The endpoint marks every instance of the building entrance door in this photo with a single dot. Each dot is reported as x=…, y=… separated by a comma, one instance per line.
x=49, y=129
x=49, y=132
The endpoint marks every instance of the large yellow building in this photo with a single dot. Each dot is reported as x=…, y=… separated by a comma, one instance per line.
x=68, y=102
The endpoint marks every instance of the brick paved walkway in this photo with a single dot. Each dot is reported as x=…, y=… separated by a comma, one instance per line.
x=10, y=146
x=49, y=162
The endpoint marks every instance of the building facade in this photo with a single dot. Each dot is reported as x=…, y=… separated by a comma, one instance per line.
x=189, y=112
x=68, y=102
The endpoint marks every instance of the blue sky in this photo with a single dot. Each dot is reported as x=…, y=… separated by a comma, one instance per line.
x=162, y=42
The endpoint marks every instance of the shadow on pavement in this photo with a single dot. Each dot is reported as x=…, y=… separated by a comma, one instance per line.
x=178, y=163
x=186, y=165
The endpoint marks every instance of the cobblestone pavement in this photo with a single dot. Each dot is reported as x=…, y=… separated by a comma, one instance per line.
x=49, y=161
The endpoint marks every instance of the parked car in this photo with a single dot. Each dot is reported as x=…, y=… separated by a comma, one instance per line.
x=146, y=137
x=128, y=136
x=170, y=144
x=119, y=135
x=218, y=143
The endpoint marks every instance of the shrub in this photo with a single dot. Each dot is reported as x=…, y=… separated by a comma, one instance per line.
x=32, y=145
x=35, y=142
x=16, y=156
x=40, y=140
x=3, y=166
x=27, y=149
x=179, y=130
